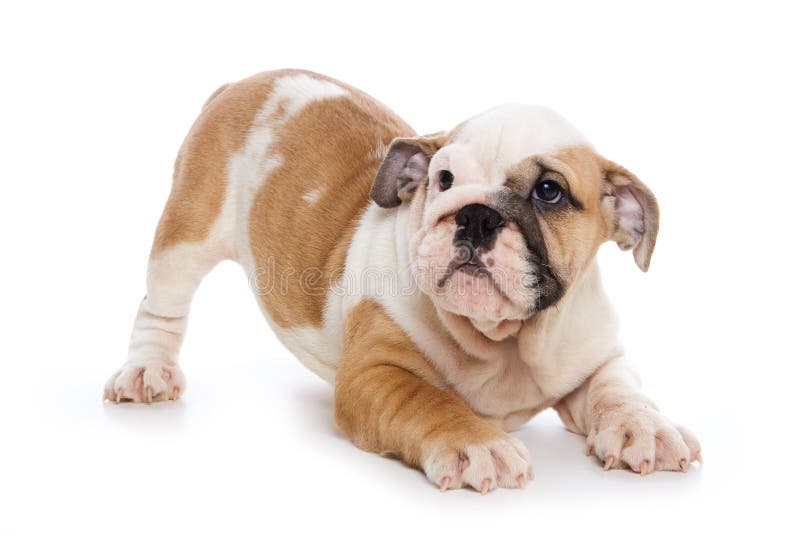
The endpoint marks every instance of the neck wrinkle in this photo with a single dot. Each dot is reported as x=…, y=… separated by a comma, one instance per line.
x=473, y=341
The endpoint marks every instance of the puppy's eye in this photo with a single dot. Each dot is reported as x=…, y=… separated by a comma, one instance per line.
x=445, y=180
x=548, y=191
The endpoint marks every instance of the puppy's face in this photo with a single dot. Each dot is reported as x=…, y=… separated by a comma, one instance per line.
x=508, y=209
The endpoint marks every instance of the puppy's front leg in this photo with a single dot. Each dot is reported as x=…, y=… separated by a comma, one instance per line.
x=389, y=399
x=623, y=427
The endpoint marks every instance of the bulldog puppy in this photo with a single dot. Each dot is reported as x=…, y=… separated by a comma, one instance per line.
x=446, y=284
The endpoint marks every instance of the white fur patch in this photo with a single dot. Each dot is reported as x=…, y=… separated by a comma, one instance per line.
x=493, y=141
x=379, y=151
x=312, y=196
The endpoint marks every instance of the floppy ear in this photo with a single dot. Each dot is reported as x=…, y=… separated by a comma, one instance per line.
x=404, y=168
x=635, y=222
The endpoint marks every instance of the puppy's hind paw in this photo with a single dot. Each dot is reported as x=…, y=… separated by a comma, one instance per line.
x=150, y=381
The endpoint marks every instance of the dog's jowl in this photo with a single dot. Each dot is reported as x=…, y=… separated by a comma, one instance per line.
x=445, y=284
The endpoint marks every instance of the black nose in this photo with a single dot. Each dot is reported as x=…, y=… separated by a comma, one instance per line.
x=478, y=225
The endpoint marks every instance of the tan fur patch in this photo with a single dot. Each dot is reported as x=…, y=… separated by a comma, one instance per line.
x=326, y=148
x=572, y=235
x=389, y=399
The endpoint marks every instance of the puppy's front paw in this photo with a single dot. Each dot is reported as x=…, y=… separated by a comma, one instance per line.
x=154, y=380
x=643, y=440
x=503, y=462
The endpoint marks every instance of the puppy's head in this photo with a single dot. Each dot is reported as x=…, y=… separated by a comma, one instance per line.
x=508, y=209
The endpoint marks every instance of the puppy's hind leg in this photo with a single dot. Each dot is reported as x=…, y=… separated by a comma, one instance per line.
x=151, y=371
x=193, y=235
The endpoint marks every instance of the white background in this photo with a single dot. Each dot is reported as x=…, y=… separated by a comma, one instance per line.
x=700, y=100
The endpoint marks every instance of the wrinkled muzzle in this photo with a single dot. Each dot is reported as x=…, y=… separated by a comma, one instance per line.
x=473, y=257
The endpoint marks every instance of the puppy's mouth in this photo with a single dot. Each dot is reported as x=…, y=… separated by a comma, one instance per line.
x=473, y=267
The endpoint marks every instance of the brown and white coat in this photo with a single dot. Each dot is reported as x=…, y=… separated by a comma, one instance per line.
x=276, y=174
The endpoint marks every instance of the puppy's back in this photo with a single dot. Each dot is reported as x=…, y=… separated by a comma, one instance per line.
x=275, y=173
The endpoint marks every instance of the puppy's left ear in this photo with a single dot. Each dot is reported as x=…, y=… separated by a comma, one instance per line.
x=635, y=214
x=404, y=168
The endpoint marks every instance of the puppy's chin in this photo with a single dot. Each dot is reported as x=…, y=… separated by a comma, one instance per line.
x=478, y=295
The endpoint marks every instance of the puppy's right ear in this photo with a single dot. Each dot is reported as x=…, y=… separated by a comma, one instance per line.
x=404, y=168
